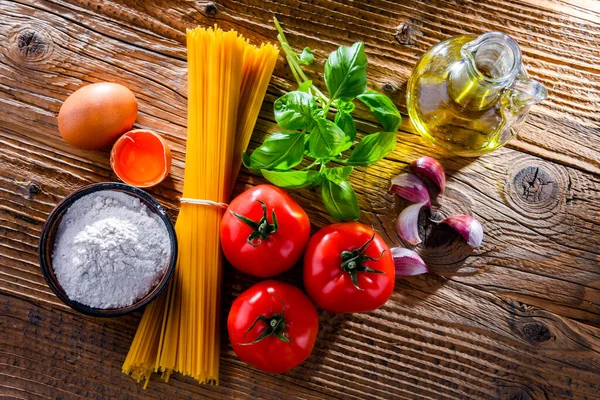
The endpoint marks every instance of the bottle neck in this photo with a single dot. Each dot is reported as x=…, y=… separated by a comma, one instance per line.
x=470, y=91
x=488, y=65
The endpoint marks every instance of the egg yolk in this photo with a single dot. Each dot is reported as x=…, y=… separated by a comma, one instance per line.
x=141, y=158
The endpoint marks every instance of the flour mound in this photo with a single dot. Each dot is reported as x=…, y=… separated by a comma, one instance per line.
x=110, y=250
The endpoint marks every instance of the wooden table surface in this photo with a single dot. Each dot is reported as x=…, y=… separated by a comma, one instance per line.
x=518, y=318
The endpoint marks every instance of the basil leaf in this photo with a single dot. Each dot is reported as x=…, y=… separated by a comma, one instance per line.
x=318, y=113
x=340, y=200
x=282, y=150
x=292, y=179
x=325, y=139
x=338, y=174
x=306, y=144
x=304, y=86
x=372, y=148
x=246, y=162
x=346, y=123
x=345, y=106
x=294, y=110
x=306, y=57
x=346, y=72
x=383, y=108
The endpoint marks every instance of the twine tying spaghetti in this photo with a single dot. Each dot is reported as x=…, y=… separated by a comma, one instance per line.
x=203, y=202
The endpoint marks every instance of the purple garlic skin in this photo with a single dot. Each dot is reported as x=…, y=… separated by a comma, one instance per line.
x=468, y=227
x=407, y=224
x=408, y=263
x=410, y=187
x=431, y=169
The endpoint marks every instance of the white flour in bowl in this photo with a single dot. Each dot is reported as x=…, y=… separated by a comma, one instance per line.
x=110, y=250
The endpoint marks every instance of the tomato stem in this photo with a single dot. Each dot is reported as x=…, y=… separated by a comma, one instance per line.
x=275, y=327
x=353, y=262
x=261, y=229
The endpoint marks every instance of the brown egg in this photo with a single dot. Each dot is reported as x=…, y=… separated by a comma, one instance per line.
x=94, y=116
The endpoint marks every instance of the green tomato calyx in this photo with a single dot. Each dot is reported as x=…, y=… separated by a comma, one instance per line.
x=261, y=229
x=353, y=262
x=275, y=325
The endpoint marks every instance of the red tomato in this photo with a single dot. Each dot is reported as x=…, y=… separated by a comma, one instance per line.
x=254, y=241
x=273, y=326
x=348, y=268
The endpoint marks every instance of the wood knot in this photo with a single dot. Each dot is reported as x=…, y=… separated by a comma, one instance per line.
x=537, y=190
x=211, y=9
x=33, y=189
x=29, y=45
x=432, y=234
x=28, y=189
x=536, y=332
x=535, y=185
x=389, y=88
x=441, y=247
x=32, y=44
x=407, y=33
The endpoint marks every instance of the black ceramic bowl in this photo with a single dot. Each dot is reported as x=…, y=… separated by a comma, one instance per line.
x=46, y=247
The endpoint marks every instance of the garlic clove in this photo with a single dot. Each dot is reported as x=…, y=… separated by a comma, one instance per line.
x=407, y=224
x=410, y=187
x=431, y=169
x=408, y=263
x=468, y=227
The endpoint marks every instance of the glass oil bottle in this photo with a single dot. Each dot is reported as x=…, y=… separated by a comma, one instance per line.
x=470, y=95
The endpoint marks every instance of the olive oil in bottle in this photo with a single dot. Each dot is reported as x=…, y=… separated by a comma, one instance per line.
x=470, y=95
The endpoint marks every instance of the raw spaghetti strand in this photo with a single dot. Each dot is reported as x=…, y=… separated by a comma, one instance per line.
x=259, y=64
x=213, y=141
x=227, y=80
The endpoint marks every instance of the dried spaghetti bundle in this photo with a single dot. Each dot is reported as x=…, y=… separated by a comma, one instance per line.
x=227, y=81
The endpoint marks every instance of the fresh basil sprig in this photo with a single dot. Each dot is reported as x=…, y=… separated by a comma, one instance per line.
x=340, y=200
x=280, y=151
x=294, y=110
x=346, y=72
x=372, y=148
x=346, y=123
x=303, y=115
x=306, y=57
x=383, y=108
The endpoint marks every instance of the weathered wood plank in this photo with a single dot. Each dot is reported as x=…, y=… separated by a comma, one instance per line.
x=407, y=346
x=519, y=318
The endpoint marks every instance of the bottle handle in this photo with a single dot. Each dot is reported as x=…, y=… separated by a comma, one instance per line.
x=526, y=92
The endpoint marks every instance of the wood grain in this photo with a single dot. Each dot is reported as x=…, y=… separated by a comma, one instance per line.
x=518, y=318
